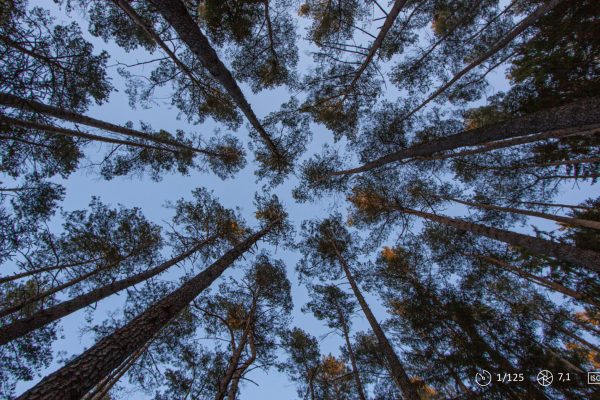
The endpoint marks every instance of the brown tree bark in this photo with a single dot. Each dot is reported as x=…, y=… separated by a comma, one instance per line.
x=583, y=114
x=84, y=372
x=239, y=373
x=585, y=258
x=502, y=43
x=394, y=364
x=563, y=220
x=23, y=326
x=20, y=275
x=175, y=13
x=66, y=115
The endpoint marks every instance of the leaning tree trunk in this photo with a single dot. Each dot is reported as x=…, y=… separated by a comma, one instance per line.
x=580, y=114
x=10, y=100
x=23, y=326
x=84, y=372
x=395, y=366
x=585, y=258
x=239, y=373
x=563, y=220
x=175, y=13
x=355, y=373
x=547, y=283
x=498, y=46
x=21, y=275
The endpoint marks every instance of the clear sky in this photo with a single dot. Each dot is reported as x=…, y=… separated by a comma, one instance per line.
x=239, y=192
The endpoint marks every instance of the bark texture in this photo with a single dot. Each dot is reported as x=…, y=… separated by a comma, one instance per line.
x=80, y=375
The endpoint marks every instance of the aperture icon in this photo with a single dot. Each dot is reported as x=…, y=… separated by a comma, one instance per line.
x=545, y=377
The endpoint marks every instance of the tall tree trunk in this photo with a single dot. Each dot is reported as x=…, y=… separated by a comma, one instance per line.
x=502, y=43
x=355, y=373
x=563, y=220
x=585, y=258
x=23, y=326
x=175, y=13
x=12, y=309
x=239, y=373
x=394, y=364
x=579, y=114
x=387, y=25
x=66, y=115
x=501, y=144
x=547, y=283
x=589, y=160
x=73, y=133
x=20, y=275
x=84, y=372
x=537, y=203
x=237, y=354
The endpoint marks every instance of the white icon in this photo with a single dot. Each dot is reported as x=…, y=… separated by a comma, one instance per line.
x=594, y=378
x=545, y=377
x=483, y=378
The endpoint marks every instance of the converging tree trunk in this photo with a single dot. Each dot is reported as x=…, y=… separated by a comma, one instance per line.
x=355, y=373
x=394, y=364
x=84, y=372
x=585, y=258
x=563, y=220
x=23, y=326
x=579, y=114
x=175, y=13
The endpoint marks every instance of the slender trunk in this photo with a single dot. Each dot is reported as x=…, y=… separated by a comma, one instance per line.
x=585, y=258
x=563, y=220
x=73, y=133
x=536, y=203
x=589, y=160
x=237, y=354
x=397, y=370
x=175, y=13
x=583, y=114
x=355, y=373
x=501, y=144
x=12, y=309
x=23, y=326
x=502, y=43
x=567, y=363
x=66, y=115
x=20, y=275
x=547, y=283
x=387, y=25
x=237, y=376
x=84, y=372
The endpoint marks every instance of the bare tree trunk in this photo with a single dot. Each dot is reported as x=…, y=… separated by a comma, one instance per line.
x=583, y=114
x=23, y=326
x=66, y=115
x=394, y=364
x=175, y=13
x=547, y=283
x=585, y=258
x=502, y=43
x=563, y=220
x=84, y=372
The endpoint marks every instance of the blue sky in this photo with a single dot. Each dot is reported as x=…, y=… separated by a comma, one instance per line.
x=239, y=192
